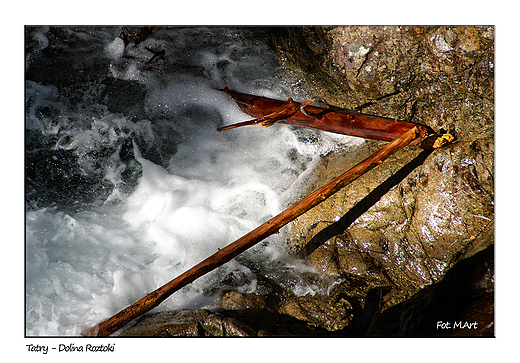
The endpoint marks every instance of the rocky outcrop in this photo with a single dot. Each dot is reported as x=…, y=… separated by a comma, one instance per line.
x=439, y=76
x=404, y=224
x=187, y=323
x=461, y=304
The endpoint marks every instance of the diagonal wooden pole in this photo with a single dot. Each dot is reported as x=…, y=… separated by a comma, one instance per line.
x=247, y=241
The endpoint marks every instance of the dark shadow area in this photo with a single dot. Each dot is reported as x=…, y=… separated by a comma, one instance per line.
x=364, y=205
x=461, y=304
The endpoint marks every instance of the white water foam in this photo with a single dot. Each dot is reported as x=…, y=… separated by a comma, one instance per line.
x=84, y=266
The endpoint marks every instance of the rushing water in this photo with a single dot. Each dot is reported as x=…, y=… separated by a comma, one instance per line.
x=128, y=183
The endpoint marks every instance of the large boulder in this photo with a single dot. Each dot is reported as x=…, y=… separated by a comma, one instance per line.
x=188, y=323
x=404, y=224
x=439, y=76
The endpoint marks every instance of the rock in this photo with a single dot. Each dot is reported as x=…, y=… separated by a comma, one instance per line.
x=404, y=224
x=320, y=311
x=462, y=304
x=250, y=309
x=219, y=326
x=51, y=55
x=169, y=324
x=188, y=323
x=233, y=300
x=403, y=233
x=439, y=76
x=291, y=315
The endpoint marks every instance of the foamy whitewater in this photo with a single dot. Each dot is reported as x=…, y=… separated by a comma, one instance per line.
x=119, y=203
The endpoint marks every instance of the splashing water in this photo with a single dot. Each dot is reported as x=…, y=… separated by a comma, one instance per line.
x=128, y=183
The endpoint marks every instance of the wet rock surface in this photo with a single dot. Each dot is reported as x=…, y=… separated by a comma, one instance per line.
x=187, y=323
x=439, y=76
x=404, y=224
x=459, y=305
x=411, y=242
